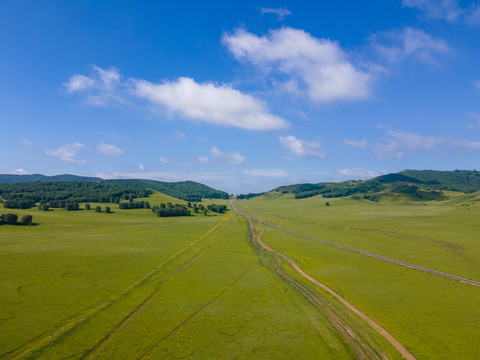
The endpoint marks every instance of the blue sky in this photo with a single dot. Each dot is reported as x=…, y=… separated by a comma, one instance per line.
x=243, y=96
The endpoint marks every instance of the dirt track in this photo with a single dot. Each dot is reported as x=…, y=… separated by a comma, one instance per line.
x=359, y=347
x=402, y=263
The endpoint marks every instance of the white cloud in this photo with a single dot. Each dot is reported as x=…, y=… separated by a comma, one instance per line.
x=280, y=12
x=395, y=143
x=362, y=144
x=321, y=65
x=300, y=147
x=207, y=102
x=19, y=172
x=103, y=86
x=265, y=172
x=179, y=133
x=477, y=84
x=448, y=10
x=436, y=9
x=79, y=83
x=27, y=143
x=203, y=159
x=232, y=157
x=67, y=153
x=399, y=45
x=358, y=173
x=108, y=149
x=141, y=167
x=164, y=160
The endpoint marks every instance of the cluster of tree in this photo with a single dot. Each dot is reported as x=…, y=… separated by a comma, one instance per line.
x=18, y=204
x=169, y=209
x=72, y=191
x=217, y=208
x=200, y=207
x=12, y=219
x=134, y=205
x=248, y=196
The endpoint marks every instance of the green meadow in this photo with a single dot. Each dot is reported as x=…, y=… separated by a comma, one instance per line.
x=433, y=317
x=87, y=285
x=131, y=285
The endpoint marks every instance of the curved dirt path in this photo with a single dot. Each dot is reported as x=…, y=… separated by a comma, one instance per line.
x=398, y=262
x=394, y=342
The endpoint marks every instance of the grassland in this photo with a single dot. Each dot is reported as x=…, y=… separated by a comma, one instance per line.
x=87, y=285
x=435, y=318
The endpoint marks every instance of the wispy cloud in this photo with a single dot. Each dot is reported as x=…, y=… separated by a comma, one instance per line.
x=28, y=143
x=103, y=86
x=265, y=172
x=203, y=159
x=67, y=153
x=476, y=118
x=301, y=147
x=108, y=149
x=396, y=143
x=408, y=43
x=448, y=10
x=205, y=102
x=362, y=144
x=357, y=173
x=232, y=157
x=280, y=12
x=320, y=66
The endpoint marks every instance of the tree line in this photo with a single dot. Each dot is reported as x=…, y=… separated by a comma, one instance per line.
x=12, y=219
x=57, y=194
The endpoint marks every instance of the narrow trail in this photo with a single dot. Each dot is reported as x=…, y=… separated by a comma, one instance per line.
x=47, y=338
x=366, y=352
x=398, y=262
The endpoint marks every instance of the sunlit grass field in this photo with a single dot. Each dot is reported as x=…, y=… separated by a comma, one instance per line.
x=434, y=317
x=129, y=285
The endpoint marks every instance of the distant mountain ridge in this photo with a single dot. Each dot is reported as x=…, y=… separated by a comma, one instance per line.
x=12, y=178
x=184, y=190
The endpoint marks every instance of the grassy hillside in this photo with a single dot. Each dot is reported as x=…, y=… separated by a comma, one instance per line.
x=422, y=184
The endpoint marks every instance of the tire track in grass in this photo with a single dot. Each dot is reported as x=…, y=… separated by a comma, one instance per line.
x=135, y=312
x=357, y=344
x=381, y=257
x=189, y=319
x=47, y=338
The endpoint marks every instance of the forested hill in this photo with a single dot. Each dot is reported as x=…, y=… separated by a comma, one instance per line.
x=10, y=178
x=417, y=183
x=185, y=190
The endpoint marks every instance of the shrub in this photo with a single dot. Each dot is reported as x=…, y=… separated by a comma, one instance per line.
x=27, y=220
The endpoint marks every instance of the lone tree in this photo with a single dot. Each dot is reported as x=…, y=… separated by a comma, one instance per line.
x=27, y=220
x=107, y=209
x=98, y=208
x=87, y=206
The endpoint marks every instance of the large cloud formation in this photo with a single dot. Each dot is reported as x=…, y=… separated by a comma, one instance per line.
x=321, y=66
